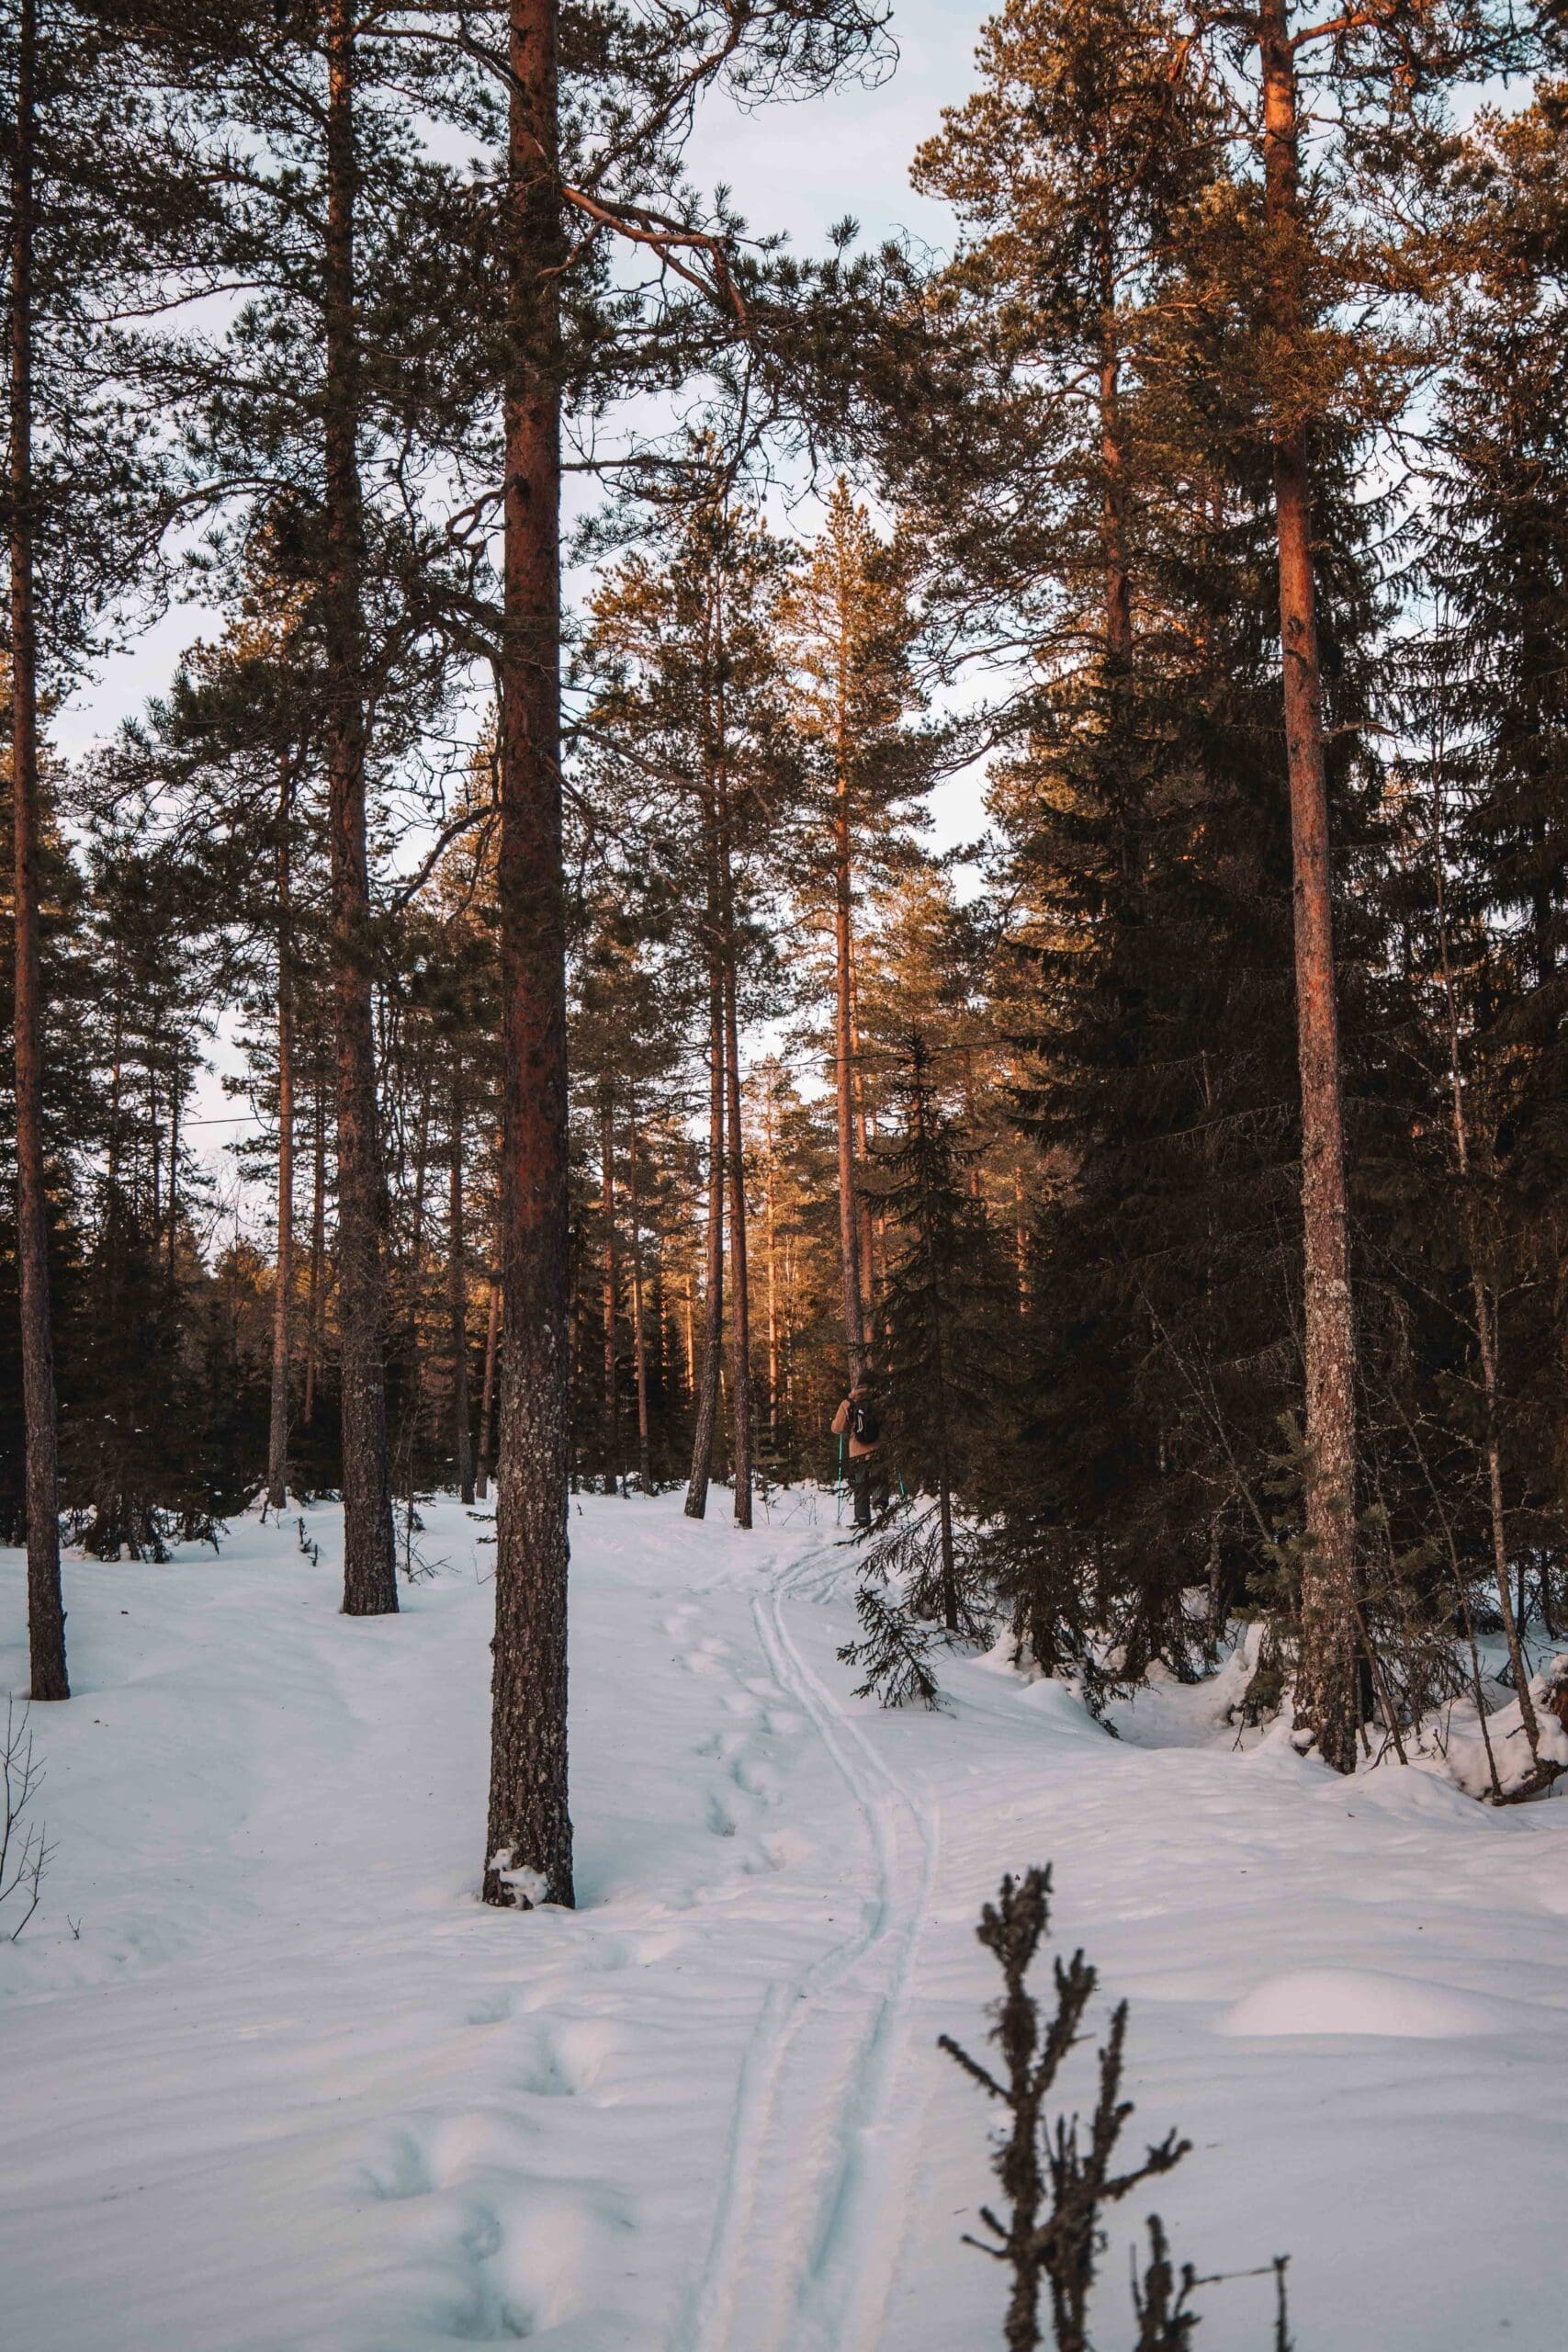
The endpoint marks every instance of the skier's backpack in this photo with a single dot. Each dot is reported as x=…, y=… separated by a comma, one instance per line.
x=865, y=1427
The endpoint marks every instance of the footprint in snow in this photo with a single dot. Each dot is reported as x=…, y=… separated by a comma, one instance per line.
x=490, y=2009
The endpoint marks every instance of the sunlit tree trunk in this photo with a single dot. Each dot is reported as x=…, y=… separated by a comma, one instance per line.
x=771, y=1213
x=707, y=1375
x=849, y=1207
x=457, y=1298
x=612, y=1290
x=1326, y=1689
x=739, y=1275
x=528, y=1844
x=487, y=1402
x=868, y=1227
x=639, y=1330
x=283, y=1270
x=317, y=1253
x=370, y=1583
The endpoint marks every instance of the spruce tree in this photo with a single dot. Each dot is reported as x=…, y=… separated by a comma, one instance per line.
x=941, y=1344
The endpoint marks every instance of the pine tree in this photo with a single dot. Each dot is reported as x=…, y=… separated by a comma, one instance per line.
x=1389, y=70
x=529, y=1833
x=689, y=727
x=851, y=628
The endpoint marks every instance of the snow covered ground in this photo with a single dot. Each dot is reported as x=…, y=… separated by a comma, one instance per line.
x=272, y=2078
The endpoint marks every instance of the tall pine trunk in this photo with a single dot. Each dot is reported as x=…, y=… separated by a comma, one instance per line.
x=457, y=1300
x=415, y=1404
x=369, y=1560
x=487, y=1400
x=869, y=1225
x=612, y=1290
x=939, y=1345
x=639, y=1317
x=1326, y=1681
x=771, y=1227
x=283, y=1272
x=46, y=1608
x=173, y=1220
x=317, y=1251
x=850, y=1206
x=528, y=1843
x=713, y=1299
x=1114, y=471
x=739, y=1275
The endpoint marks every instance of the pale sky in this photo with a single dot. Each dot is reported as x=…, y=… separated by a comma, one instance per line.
x=801, y=168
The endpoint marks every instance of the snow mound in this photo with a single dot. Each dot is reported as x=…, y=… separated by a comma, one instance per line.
x=1357, y=2000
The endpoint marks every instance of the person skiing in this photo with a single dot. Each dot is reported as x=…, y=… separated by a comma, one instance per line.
x=856, y=1420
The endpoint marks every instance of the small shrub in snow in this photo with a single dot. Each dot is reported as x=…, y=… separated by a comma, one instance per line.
x=24, y=1847
x=1057, y=2184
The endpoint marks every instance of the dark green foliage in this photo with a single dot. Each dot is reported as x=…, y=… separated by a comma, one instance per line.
x=941, y=1344
x=893, y=1651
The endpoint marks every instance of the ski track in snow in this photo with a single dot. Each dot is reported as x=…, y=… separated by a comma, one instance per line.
x=293, y=2089
x=822, y=2276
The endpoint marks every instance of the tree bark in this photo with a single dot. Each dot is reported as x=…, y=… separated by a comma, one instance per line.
x=771, y=1213
x=317, y=1251
x=370, y=1561
x=849, y=1207
x=415, y=1295
x=869, y=1226
x=939, y=1361
x=1326, y=1678
x=713, y=1300
x=173, y=1224
x=639, y=1324
x=1114, y=498
x=486, y=1405
x=457, y=1300
x=46, y=1608
x=528, y=1843
x=283, y=1271
x=740, y=1278
x=612, y=1288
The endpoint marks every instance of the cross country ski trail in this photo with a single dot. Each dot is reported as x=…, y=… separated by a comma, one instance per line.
x=808, y=2222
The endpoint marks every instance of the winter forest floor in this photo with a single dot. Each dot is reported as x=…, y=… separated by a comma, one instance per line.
x=290, y=2086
